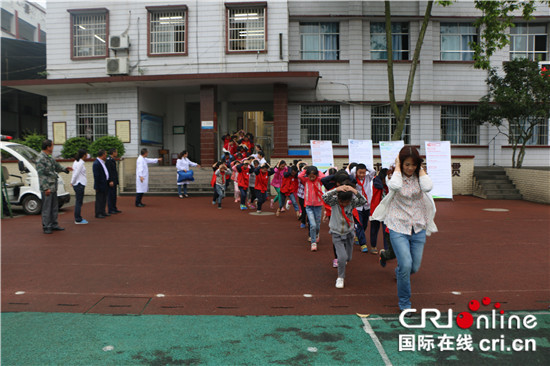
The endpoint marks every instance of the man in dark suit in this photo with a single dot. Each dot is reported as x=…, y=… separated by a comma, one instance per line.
x=112, y=181
x=101, y=176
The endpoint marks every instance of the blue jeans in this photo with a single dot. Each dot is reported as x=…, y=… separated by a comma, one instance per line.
x=314, y=218
x=79, y=197
x=184, y=189
x=408, y=250
x=292, y=199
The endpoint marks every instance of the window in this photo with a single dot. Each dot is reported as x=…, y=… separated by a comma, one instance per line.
x=455, y=41
x=383, y=125
x=540, y=131
x=320, y=41
x=246, y=28
x=7, y=21
x=456, y=126
x=91, y=121
x=42, y=36
x=400, y=41
x=529, y=41
x=26, y=31
x=167, y=31
x=89, y=34
x=320, y=122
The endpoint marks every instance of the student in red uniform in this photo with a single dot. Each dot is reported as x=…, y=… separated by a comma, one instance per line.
x=221, y=174
x=311, y=178
x=289, y=188
x=261, y=185
x=243, y=180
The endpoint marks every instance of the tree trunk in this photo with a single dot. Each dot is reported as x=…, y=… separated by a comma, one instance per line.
x=402, y=116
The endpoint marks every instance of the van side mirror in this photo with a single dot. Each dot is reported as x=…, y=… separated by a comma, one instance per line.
x=22, y=167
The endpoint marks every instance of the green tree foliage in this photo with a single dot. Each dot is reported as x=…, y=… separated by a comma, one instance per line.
x=32, y=140
x=106, y=143
x=72, y=145
x=522, y=98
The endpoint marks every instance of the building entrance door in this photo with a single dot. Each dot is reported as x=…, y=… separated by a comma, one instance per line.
x=262, y=130
x=193, y=131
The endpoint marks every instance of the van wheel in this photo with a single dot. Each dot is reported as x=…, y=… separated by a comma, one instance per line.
x=32, y=205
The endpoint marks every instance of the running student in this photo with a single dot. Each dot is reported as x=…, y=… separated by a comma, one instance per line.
x=289, y=188
x=243, y=180
x=343, y=200
x=251, y=183
x=303, y=216
x=363, y=177
x=261, y=184
x=222, y=174
x=279, y=169
x=311, y=178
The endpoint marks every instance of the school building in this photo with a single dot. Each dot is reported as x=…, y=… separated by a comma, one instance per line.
x=176, y=75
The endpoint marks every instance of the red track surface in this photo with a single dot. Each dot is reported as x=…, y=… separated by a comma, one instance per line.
x=227, y=262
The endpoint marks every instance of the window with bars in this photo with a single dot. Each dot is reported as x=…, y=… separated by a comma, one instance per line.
x=456, y=125
x=540, y=131
x=383, y=124
x=400, y=41
x=246, y=29
x=455, y=41
x=167, y=31
x=529, y=41
x=320, y=122
x=91, y=121
x=26, y=30
x=89, y=35
x=320, y=41
x=7, y=21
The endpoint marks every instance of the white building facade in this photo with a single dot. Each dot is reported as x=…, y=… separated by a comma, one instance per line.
x=185, y=73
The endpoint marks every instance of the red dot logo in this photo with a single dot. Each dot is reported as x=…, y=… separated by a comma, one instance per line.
x=486, y=301
x=497, y=305
x=473, y=305
x=464, y=320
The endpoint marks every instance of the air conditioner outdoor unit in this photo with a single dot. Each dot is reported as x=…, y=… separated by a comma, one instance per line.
x=120, y=42
x=544, y=64
x=117, y=66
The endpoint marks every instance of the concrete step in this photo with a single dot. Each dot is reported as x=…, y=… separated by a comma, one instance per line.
x=504, y=197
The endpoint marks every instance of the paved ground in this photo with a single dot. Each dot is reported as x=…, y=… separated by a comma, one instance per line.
x=185, y=257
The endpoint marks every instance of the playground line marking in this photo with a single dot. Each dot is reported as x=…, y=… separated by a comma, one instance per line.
x=368, y=329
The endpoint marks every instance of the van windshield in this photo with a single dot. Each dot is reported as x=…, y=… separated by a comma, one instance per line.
x=28, y=153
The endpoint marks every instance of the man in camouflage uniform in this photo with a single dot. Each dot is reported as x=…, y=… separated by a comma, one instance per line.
x=47, y=169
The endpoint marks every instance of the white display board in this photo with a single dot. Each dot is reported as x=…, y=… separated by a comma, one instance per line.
x=438, y=164
x=321, y=154
x=360, y=151
x=389, y=151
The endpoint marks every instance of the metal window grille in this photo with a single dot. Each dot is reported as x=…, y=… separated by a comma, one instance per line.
x=89, y=34
x=167, y=31
x=7, y=21
x=540, y=131
x=246, y=29
x=456, y=125
x=383, y=124
x=320, y=122
x=455, y=41
x=529, y=41
x=91, y=121
x=320, y=41
x=400, y=41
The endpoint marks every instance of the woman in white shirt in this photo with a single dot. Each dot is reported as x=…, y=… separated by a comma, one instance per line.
x=183, y=164
x=78, y=181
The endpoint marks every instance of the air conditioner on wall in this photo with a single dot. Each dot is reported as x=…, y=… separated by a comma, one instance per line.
x=120, y=42
x=117, y=66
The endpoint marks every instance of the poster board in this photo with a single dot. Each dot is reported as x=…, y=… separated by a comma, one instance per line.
x=389, y=151
x=360, y=151
x=122, y=130
x=438, y=164
x=59, y=133
x=321, y=154
x=151, y=129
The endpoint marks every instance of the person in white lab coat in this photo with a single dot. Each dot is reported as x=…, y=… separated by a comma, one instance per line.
x=183, y=164
x=142, y=175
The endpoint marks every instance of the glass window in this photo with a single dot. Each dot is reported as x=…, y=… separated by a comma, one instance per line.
x=320, y=122
x=529, y=41
x=89, y=35
x=246, y=28
x=91, y=121
x=456, y=126
x=455, y=41
x=540, y=130
x=26, y=31
x=167, y=31
x=400, y=41
x=7, y=21
x=320, y=41
x=383, y=124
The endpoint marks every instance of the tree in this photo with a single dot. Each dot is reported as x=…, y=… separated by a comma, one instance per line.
x=72, y=145
x=106, y=143
x=522, y=97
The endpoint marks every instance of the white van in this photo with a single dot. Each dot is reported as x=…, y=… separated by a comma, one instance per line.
x=24, y=189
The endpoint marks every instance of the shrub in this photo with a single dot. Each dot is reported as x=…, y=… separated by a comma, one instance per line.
x=32, y=140
x=106, y=143
x=72, y=145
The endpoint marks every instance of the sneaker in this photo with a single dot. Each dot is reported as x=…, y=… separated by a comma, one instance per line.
x=186, y=195
x=213, y=202
x=313, y=247
x=309, y=238
x=288, y=203
x=364, y=248
x=339, y=282
x=251, y=206
x=355, y=241
x=181, y=196
x=83, y=222
x=335, y=263
x=219, y=207
x=243, y=207
x=318, y=239
x=271, y=203
x=283, y=209
x=382, y=258
x=373, y=251
x=258, y=211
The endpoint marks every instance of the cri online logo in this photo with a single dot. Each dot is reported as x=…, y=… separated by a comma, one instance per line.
x=465, y=320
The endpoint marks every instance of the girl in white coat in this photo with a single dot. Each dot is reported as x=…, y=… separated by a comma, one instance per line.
x=183, y=164
x=142, y=175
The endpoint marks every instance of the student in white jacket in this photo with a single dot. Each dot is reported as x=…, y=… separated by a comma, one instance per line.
x=408, y=211
x=142, y=175
x=183, y=164
x=79, y=181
